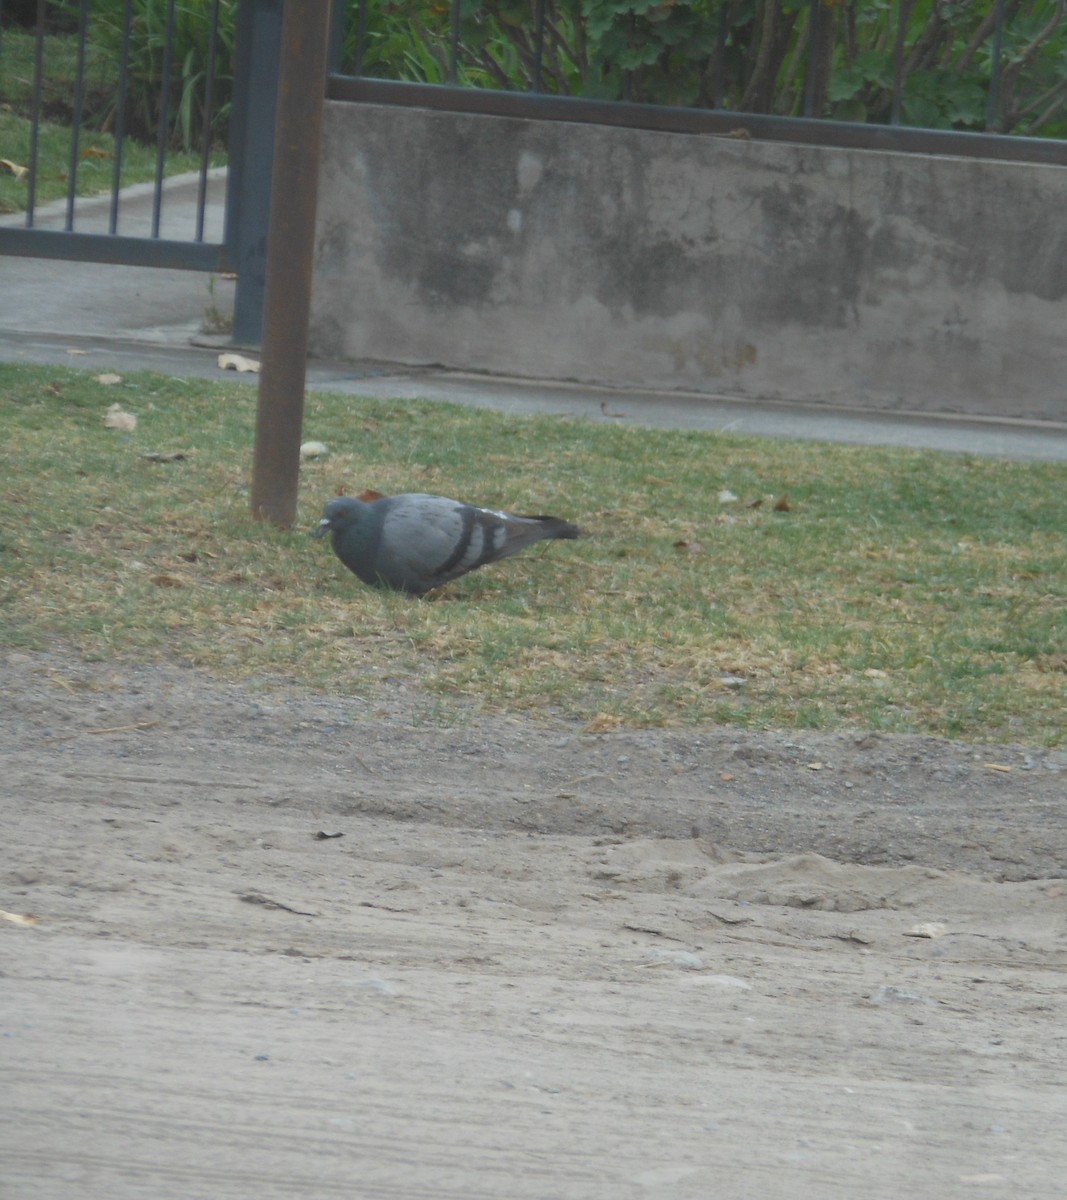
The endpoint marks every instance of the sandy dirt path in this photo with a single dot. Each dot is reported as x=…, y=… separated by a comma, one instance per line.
x=538, y=962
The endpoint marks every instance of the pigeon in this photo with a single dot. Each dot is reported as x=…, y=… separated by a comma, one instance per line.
x=414, y=542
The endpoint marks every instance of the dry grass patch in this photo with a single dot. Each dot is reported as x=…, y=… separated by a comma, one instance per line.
x=893, y=589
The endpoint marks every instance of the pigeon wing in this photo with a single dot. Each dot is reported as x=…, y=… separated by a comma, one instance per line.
x=428, y=540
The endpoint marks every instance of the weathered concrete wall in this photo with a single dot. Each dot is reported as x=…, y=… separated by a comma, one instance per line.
x=667, y=261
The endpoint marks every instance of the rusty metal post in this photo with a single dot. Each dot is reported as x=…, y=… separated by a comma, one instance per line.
x=290, y=250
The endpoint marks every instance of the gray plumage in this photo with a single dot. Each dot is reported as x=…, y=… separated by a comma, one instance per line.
x=414, y=542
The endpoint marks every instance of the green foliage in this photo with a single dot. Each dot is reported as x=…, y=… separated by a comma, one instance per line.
x=738, y=54
x=186, y=90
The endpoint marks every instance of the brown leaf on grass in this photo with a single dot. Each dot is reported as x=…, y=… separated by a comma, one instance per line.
x=782, y=504
x=165, y=457
x=117, y=418
x=685, y=547
x=95, y=152
x=167, y=581
x=997, y=767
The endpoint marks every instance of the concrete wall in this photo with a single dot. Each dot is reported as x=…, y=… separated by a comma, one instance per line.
x=709, y=264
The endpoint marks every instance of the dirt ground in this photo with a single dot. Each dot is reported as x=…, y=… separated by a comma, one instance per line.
x=313, y=947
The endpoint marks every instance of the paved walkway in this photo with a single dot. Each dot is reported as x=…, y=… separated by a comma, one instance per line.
x=131, y=318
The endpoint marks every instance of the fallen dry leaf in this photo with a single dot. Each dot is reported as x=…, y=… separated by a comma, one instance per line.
x=815, y=766
x=927, y=929
x=782, y=504
x=689, y=547
x=18, y=918
x=875, y=673
x=238, y=362
x=168, y=581
x=997, y=767
x=169, y=456
x=117, y=418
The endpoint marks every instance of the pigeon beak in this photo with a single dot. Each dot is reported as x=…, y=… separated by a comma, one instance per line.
x=321, y=528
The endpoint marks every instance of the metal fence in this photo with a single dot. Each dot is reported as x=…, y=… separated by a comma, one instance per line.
x=106, y=241
x=212, y=219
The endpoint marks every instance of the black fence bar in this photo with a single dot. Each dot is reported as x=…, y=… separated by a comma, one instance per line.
x=453, y=51
x=79, y=112
x=698, y=121
x=811, y=67
x=540, y=16
x=35, y=112
x=900, y=37
x=209, y=109
x=257, y=50
x=164, y=116
x=120, y=118
x=992, y=110
x=113, y=248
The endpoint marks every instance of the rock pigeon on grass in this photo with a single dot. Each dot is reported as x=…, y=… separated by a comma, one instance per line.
x=414, y=542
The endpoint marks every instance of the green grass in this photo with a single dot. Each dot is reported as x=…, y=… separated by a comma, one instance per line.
x=96, y=146
x=902, y=591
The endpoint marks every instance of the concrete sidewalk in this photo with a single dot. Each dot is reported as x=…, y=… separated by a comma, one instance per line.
x=131, y=318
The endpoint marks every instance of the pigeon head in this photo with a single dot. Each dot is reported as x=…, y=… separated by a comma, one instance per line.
x=338, y=515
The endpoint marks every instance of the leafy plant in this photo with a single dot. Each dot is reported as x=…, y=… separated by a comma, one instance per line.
x=848, y=59
x=171, y=85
